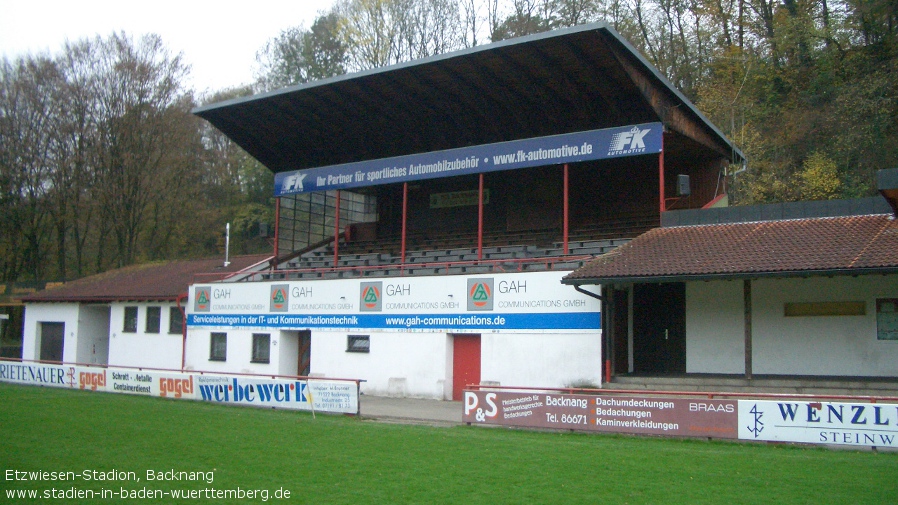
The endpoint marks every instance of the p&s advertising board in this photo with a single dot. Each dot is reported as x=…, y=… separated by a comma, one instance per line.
x=613, y=414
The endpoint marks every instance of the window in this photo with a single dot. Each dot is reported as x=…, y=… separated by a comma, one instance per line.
x=218, y=347
x=261, y=347
x=358, y=343
x=175, y=320
x=887, y=319
x=130, y=320
x=154, y=317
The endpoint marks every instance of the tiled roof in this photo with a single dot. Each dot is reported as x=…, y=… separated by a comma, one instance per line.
x=857, y=244
x=151, y=281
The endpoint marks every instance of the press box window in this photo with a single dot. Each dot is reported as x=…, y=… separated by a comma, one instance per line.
x=154, y=319
x=130, y=320
x=358, y=343
x=261, y=347
x=887, y=319
x=175, y=320
x=218, y=347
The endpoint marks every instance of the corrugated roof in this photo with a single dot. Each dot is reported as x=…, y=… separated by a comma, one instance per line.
x=839, y=245
x=150, y=281
x=576, y=79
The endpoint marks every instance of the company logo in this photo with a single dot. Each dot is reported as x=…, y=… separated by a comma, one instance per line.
x=279, y=298
x=92, y=380
x=370, y=297
x=480, y=294
x=175, y=387
x=472, y=404
x=255, y=392
x=756, y=426
x=293, y=183
x=202, y=296
x=628, y=142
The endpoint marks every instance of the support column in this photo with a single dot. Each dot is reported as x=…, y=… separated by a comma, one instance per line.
x=337, y=229
x=480, y=219
x=746, y=297
x=566, y=211
x=404, y=219
x=277, y=230
x=663, y=205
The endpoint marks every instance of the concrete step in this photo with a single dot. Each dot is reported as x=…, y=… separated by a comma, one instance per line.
x=826, y=386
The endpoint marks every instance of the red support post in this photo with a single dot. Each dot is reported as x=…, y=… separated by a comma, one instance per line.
x=661, y=174
x=337, y=229
x=404, y=219
x=566, y=209
x=277, y=230
x=480, y=219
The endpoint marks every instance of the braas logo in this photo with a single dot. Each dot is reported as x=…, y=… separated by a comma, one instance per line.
x=202, y=296
x=279, y=298
x=480, y=294
x=628, y=142
x=370, y=297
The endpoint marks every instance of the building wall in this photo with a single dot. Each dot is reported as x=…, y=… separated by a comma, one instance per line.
x=66, y=313
x=139, y=348
x=93, y=334
x=831, y=345
x=398, y=364
x=807, y=345
x=282, y=353
x=715, y=330
x=541, y=360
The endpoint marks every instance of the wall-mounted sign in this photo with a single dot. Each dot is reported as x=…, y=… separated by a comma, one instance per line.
x=615, y=414
x=810, y=422
x=557, y=149
x=297, y=394
x=518, y=302
x=458, y=199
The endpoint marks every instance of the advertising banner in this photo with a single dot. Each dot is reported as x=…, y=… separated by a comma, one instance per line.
x=861, y=424
x=613, y=414
x=322, y=395
x=521, y=302
x=567, y=148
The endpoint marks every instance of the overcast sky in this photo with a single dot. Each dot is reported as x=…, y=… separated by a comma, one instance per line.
x=218, y=39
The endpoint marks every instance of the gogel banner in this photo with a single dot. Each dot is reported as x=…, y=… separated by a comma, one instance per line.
x=321, y=395
x=568, y=148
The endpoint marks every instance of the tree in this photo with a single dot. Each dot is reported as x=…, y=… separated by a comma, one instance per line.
x=298, y=56
x=139, y=88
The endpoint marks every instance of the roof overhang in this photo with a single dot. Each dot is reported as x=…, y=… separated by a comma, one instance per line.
x=564, y=81
x=730, y=276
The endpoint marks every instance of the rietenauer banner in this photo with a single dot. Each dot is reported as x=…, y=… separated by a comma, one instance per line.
x=568, y=148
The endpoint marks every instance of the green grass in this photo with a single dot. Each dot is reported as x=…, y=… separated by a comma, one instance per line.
x=334, y=459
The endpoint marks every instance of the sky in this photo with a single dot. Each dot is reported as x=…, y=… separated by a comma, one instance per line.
x=218, y=39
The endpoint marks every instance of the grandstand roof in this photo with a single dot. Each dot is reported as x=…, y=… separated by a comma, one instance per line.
x=564, y=81
x=147, y=282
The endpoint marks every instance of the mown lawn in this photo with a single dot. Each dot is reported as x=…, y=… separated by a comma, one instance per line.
x=335, y=459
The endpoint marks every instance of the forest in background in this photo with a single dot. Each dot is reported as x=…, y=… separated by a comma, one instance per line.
x=103, y=165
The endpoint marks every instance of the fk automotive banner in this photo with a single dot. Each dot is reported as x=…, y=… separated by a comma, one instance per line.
x=568, y=148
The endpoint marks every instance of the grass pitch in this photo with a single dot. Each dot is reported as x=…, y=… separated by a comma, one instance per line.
x=335, y=459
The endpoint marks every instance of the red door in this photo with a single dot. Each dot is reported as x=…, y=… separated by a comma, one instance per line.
x=465, y=363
